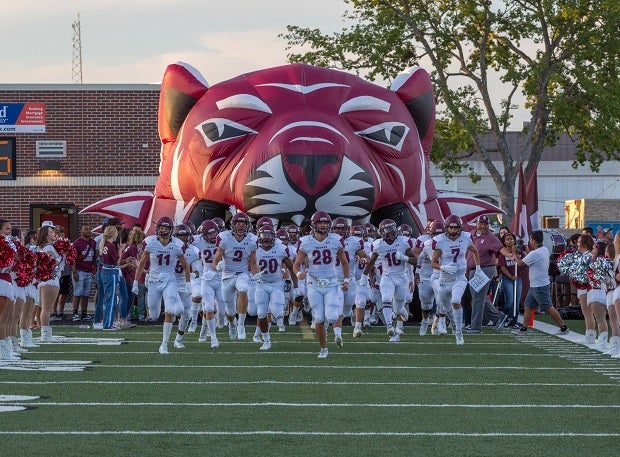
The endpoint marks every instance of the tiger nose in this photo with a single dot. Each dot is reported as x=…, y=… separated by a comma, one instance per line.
x=317, y=171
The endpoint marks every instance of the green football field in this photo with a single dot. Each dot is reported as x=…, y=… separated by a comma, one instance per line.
x=111, y=393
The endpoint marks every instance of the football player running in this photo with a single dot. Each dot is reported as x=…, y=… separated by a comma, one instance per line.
x=395, y=252
x=192, y=256
x=269, y=297
x=237, y=249
x=449, y=251
x=163, y=252
x=354, y=250
x=320, y=251
x=210, y=281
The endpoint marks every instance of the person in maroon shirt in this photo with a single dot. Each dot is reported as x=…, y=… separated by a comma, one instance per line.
x=83, y=271
x=489, y=246
x=110, y=275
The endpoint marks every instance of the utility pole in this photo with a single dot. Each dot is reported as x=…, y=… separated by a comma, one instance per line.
x=77, y=52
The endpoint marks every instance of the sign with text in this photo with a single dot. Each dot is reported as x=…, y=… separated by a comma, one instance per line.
x=22, y=118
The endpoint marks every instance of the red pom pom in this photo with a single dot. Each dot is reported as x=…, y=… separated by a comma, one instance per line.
x=45, y=267
x=7, y=254
x=64, y=247
x=24, y=268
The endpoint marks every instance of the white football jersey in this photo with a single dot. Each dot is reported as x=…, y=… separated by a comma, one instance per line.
x=453, y=251
x=351, y=245
x=163, y=259
x=192, y=255
x=322, y=255
x=387, y=254
x=236, y=253
x=270, y=262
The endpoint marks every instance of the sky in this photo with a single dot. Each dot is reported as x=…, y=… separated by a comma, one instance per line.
x=132, y=41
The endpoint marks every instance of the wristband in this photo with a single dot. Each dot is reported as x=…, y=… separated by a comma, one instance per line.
x=345, y=280
x=298, y=274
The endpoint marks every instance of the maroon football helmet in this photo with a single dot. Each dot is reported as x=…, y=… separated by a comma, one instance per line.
x=209, y=230
x=320, y=217
x=388, y=230
x=240, y=224
x=164, y=227
x=341, y=226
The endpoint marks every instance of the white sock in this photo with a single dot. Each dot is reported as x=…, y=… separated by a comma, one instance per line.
x=241, y=320
x=387, y=315
x=266, y=337
x=458, y=319
x=211, y=325
x=167, y=331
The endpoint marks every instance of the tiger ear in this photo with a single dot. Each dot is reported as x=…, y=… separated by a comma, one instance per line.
x=414, y=87
x=182, y=86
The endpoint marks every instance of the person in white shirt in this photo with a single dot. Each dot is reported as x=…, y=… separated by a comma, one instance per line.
x=396, y=253
x=236, y=249
x=192, y=256
x=272, y=257
x=449, y=251
x=320, y=251
x=210, y=282
x=163, y=252
x=538, y=296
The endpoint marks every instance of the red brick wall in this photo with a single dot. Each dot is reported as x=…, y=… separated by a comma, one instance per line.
x=105, y=131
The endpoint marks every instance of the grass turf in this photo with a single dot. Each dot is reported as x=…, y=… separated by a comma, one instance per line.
x=497, y=394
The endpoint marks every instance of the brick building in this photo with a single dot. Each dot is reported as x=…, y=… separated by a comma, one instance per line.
x=89, y=142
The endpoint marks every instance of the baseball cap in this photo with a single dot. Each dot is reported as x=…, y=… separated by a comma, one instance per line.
x=47, y=224
x=607, y=230
x=483, y=218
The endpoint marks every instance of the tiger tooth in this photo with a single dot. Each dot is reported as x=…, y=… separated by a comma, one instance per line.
x=298, y=219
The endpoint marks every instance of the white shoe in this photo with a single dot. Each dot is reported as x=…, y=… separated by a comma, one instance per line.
x=390, y=330
x=179, y=344
x=202, y=338
x=400, y=331
x=215, y=343
x=395, y=339
x=292, y=321
x=163, y=349
x=459, y=338
x=257, y=338
x=338, y=341
x=232, y=331
x=423, y=327
x=281, y=328
x=241, y=332
x=323, y=353
x=266, y=346
x=441, y=327
x=98, y=326
x=357, y=332
x=366, y=325
x=192, y=327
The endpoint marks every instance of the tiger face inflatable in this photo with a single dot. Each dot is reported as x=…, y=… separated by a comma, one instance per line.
x=287, y=141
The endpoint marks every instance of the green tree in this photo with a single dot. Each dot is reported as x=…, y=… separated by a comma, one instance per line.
x=561, y=55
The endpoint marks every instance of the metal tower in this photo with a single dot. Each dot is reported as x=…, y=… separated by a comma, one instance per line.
x=77, y=52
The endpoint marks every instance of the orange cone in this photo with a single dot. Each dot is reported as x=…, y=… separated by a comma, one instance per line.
x=531, y=322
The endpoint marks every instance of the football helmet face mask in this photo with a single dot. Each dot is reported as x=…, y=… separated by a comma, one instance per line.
x=293, y=233
x=164, y=227
x=358, y=230
x=266, y=237
x=320, y=222
x=219, y=222
x=388, y=230
x=282, y=235
x=182, y=232
x=405, y=230
x=190, y=225
x=453, y=226
x=209, y=230
x=240, y=224
x=371, y=230
x=340, y=226
x=436, y=228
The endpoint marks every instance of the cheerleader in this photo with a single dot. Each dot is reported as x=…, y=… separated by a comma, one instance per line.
x=7, y=291
x=49, y=286
x=596, y=298
x=25, y=332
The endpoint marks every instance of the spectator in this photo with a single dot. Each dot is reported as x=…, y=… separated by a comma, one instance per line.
x=83, y=271
x=510, y=279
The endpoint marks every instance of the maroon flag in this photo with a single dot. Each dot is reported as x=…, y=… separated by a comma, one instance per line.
x=521, y=225
x=531, y=202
